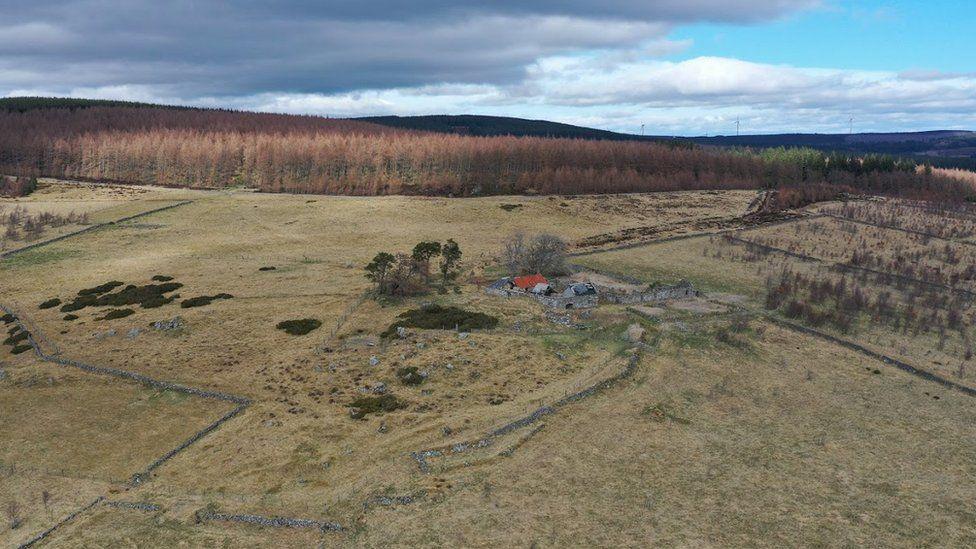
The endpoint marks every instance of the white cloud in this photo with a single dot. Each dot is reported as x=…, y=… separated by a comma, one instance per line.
x=696, y=96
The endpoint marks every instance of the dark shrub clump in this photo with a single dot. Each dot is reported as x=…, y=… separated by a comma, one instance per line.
x=363, y=406
x=7, y=318
x=20, y=349
x=116, y=313
x=53, y=302
x=16, y=338
x=70, y=317
x=436, y=317
x=300, y=326
x=102, y=288
x=410, y=376
x=202, y=300
x=271, y=268
x=130, y=295
x=162, y=278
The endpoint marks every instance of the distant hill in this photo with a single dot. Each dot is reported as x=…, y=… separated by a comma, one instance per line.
x=951, y=148
x=947, y=143
x=25, y=104
x=486, y=126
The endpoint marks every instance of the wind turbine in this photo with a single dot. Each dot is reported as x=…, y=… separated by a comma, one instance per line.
x=737, y=126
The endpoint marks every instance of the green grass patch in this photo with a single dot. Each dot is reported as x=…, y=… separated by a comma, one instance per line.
x=300, y=326
x=437, y=317
x=363, y=406
x=38, y=256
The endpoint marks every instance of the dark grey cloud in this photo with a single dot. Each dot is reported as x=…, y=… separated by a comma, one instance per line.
x=195, y=48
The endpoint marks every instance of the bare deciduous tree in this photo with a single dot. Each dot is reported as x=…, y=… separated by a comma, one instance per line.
x=543, y=253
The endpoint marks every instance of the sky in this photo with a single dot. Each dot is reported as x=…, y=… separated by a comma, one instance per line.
x=677, y=67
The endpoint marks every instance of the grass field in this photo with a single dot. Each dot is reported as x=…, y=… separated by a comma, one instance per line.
x=730, y=432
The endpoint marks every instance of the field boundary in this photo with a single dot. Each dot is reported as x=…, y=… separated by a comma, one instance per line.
x=71, y=516
x=142, y=476
x=686, y=236
x=90, y=228
x=422, y=456
x=852, y=268
x=904, y=366
x=274, y=522
x=899, y=229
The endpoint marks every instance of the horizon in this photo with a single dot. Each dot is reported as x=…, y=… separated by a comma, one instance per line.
x=684, y=69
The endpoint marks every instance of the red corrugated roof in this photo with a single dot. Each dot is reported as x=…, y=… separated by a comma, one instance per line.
x=529, y=282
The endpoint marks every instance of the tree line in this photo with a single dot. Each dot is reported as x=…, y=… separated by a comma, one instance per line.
x=305, y=154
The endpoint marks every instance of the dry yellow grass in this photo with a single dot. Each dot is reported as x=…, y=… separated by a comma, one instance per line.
x=777, y=440
x=76, y=436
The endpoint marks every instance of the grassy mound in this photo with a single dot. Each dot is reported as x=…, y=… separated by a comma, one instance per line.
x=116, y=313
x=410, y=376
x=53, y=302
x=363, y=406
x=130, y=295
x=202, y=300
x=436, y=317
x=299, y=327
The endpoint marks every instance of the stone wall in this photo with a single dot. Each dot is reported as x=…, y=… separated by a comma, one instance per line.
x=680, y=290
x=551, y=301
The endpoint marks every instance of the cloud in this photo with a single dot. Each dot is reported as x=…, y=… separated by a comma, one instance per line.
x=576, y=61
x=198, y=48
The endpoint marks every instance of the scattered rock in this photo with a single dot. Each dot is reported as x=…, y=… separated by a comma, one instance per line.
x=379, y=388
x=103, y=335
x=133, y=333
x=373, y=361
x=382, y=428
x=401, y=332
x=463, y=335
x=175, y=323
x=3, y=374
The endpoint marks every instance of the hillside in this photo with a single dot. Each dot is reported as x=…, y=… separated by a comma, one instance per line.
x=938, y=143
x=468, y=124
